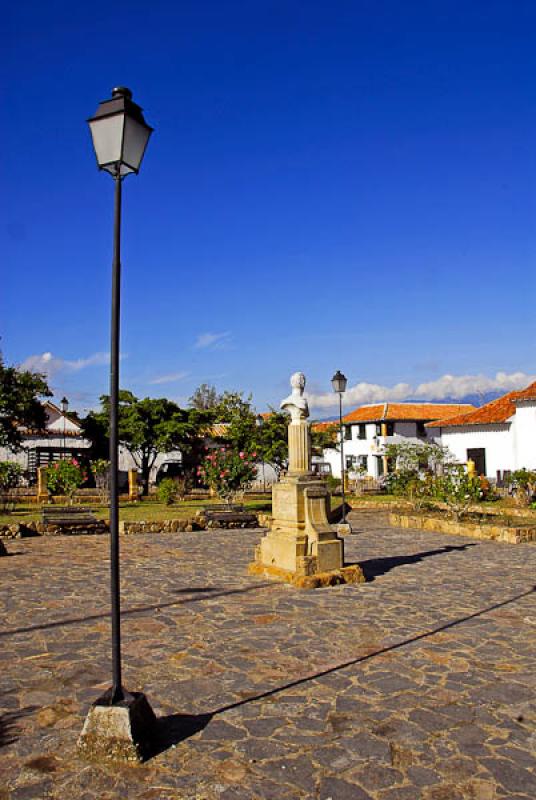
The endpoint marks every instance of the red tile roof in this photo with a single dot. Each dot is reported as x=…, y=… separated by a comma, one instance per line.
x=494, y=413
x=406, y=411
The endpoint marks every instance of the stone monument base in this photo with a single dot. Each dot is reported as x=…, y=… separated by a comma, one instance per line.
x=120, y=732
x=350, y=574
x=302, y=548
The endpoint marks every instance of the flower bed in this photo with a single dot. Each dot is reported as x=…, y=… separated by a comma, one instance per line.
x=494, y=531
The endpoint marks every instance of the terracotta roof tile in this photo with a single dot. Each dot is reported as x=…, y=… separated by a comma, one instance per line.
x=406, y=411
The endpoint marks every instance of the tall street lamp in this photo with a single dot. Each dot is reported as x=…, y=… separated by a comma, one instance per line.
x=339, y=382
x=64, y=404
x=120, y=136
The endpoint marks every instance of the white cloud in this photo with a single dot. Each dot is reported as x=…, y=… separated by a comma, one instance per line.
x=448, y=386
x=49, y=364
x=212, y=340
x=169, y=378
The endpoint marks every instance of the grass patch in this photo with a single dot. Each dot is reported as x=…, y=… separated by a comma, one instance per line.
x=136, y=512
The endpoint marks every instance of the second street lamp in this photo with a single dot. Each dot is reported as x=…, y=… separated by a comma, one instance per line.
x=339, y=382
x=120, y=136
x=64, y=404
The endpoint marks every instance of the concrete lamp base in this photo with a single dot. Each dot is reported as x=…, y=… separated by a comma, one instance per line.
x=344, y=529
x=124, y=731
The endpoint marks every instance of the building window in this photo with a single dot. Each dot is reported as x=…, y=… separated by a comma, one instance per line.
x=363, y=462
x=347, y=432
x=390, y=428
x=378, y=429
x=350, y=462
x=362, y=431
x=421, y=430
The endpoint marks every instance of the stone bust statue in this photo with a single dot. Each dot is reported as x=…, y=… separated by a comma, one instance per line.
x=296, y=403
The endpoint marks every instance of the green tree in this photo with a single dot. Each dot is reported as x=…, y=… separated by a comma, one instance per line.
x=205, y=397
x=237, y=413
x=271, y=440
x=148, y=427
x=20, y=406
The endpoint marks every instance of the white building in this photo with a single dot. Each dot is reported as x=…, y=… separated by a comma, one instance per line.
x=369, y=429
x=60, y=438
x=499, y=437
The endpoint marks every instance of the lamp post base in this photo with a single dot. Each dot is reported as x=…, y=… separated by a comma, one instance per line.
x=124, y=731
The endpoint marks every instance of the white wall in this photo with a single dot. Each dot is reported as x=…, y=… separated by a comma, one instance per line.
x=373, y=445
x=497, y=440
x=524, y=435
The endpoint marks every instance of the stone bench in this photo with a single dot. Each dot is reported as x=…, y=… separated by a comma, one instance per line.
x=68, y=515
x=227, y=516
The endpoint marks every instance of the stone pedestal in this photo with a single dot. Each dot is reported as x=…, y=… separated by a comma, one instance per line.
x=302, y=547
x=124, y=731
x=133, y=488
x=301, y=539
x=42, y=492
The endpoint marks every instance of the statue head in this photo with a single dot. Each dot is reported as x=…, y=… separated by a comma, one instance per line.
x=297, y=381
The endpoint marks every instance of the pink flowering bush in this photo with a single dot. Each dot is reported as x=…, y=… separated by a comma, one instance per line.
x=64, y=477
x=227, y=471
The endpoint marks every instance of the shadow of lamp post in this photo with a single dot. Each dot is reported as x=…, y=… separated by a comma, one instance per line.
x=339, y=382
x=119, y=724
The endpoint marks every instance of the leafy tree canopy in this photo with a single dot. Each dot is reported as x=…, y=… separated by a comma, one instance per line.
x=205, y=397
x=148, y=427
x=20, y=406
x=271, y=440
x=237, y=412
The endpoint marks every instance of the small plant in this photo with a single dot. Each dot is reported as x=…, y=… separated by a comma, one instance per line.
x=523, y=485
x=167, y=491
x=457, y=489
x=228, y=472
x=65, y=477
x=10, y=474
x=183, y=484
x=333, y=483
x=101, y=472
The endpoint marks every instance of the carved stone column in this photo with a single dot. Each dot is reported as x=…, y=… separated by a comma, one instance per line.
x=299, y=447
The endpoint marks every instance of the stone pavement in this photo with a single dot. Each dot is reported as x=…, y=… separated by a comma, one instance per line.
x=418, y=684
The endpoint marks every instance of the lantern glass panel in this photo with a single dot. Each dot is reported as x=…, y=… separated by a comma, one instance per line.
x=339, y=382
x=107, y=135
x=134, y=144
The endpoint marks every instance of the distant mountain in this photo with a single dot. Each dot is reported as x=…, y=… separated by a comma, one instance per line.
x=475, y=399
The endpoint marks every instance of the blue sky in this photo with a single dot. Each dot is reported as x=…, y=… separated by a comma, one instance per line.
x=330, y=185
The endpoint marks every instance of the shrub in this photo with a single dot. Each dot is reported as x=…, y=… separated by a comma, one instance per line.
x=457, y=489
x=333, y=483
x=167, y=491
x=10, y=474
x=101, y=472
x=523, y=485
x=64, y=477
x=227, y=471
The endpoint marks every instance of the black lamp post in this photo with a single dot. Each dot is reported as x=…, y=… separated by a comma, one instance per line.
x=339, y=382
x=64, y=404
x=120, y=135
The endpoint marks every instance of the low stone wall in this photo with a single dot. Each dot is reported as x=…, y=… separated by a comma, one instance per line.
x=21, y=530
x=498, y=533
x=160, y=526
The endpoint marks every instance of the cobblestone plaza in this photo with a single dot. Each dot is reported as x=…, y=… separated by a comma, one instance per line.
x=418, y=684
